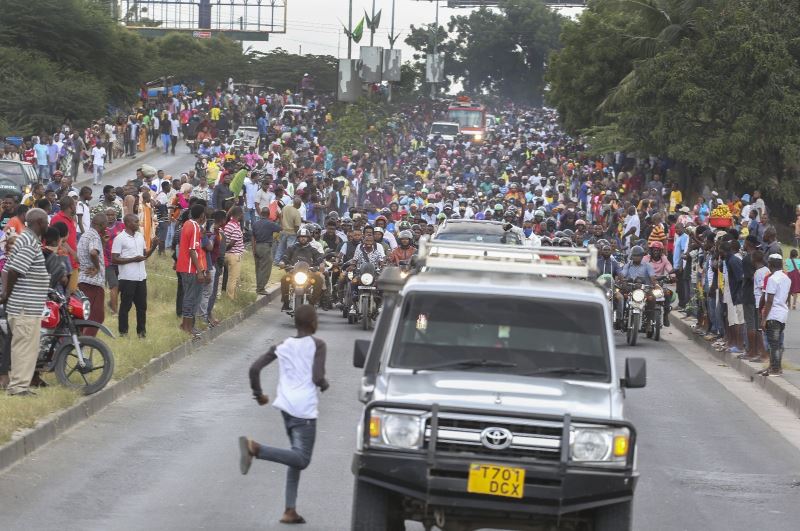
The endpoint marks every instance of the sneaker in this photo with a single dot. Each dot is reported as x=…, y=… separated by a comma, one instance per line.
x=26, y=392
x=245, y=457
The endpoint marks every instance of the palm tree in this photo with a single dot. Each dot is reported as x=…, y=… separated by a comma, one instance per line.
x=661, y=24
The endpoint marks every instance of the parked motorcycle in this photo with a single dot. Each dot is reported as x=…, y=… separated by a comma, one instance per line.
x=79, y=362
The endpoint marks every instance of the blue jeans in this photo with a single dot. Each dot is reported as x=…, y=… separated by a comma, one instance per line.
x=286, y=241
x=44, y=172
x=712, y=314
x=249, y=218
x=301, y=433
x=165, y=142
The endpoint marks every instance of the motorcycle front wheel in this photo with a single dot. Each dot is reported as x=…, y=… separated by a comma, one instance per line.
x=97, y=372
x=365, y=313
x=633, y=331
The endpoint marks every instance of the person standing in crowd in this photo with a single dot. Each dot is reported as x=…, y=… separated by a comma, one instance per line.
x=191, y=266
x=775, y=312
x=262, y=239
x=98, y=162
x=115, y=227
x=290, y=224
x=66, y=216
x=174, y=128
x=92, y=270
x=234, y=249
x=24, y=292
x=301, y=371
x=83, y=216
x=129, y=253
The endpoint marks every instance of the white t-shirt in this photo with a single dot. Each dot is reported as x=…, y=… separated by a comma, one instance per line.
x=297, y=395
x=82, y=216
x=778, y=285
x=631, y=222
x=99, y=156
x=758, y=282
x=128, y=246
x=175, y=126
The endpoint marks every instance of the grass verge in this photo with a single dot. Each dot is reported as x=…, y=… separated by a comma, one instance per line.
x=130, y=353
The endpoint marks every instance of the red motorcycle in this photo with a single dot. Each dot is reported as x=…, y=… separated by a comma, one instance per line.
x=79, y=362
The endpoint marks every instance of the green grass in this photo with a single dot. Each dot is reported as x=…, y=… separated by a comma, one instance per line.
x=130, y=353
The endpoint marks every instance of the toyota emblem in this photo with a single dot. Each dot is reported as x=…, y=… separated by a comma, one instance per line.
x=496, y=438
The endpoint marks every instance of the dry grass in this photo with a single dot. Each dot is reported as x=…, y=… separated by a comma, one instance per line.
x=130, y=353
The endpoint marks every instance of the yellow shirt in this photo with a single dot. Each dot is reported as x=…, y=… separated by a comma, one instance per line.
x=215, y=112
x=675, y=197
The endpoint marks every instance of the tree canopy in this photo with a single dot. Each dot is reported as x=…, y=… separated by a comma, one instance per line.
x=713, y=84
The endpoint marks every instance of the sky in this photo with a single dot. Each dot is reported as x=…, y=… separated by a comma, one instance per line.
x=316, y=25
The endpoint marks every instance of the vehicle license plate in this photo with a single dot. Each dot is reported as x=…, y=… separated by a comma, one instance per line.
x=496, y=480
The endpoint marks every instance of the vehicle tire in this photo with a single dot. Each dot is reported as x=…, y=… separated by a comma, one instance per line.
x=650, y=327
x=366, y=321
x=375, y=509
x=657, y=330
x=633, y=331
x=298, y=301
x=94, y=351
x=617, y=517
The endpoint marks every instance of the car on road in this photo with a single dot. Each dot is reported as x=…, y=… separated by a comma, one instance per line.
x=293, y=108
x=246, y=136
x=492, y=398
x=448, y=131
x=16, y=177
x=477, y=231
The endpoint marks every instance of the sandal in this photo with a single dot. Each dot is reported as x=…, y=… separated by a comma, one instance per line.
x=298, y=520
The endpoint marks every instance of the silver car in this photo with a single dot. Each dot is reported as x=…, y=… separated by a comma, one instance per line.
x=491, y=396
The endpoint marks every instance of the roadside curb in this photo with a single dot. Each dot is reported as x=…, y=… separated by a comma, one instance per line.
x=785, y=393
x=50, y=427
x=122, y=164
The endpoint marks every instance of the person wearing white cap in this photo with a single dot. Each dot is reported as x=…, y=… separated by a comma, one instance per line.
x=776, y=312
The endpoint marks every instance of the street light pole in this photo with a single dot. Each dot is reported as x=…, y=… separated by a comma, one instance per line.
x=391, y=32
x=372, y=26
x=350, y=32
x=435, y=47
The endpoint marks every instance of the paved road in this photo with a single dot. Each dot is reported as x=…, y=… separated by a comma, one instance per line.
x=166, y=458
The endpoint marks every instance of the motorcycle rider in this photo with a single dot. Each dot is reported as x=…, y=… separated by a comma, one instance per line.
x=634, y=271
x=302, y=251
x=404, y=250
x=662, y=268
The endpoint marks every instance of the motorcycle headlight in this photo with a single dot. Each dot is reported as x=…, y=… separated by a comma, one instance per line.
x=300, y=278
x=599, y=445
x=478, y=137
x=399, y=430
x=350, y=275
x=637, y=295
x=658, y=293
x=87, y=307
x=366, y=279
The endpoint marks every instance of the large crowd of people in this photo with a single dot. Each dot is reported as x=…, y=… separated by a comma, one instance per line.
x=287, y=195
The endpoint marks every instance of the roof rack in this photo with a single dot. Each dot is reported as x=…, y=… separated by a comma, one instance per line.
x=495, y=258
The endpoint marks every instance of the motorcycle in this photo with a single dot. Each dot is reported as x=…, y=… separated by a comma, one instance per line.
x=331, y=276
x=634, y=297
x=366, y=307
x=300, y=285
x=79, y=362
x=654, y=308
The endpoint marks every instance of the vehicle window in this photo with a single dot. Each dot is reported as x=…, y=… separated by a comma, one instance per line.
x=13, y=172
x=466, y=118
x=444, y=129
x=510, y=334
x=508, y=238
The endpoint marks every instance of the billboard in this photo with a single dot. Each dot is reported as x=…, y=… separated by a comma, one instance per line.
x=371, y=64
x=391, y=65
x=349, y=80
x=434, y=68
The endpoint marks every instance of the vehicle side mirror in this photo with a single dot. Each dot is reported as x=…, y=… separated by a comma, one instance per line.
x=360, y=353
x=635, y=373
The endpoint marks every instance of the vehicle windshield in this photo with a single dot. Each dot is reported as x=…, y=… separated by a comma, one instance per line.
x=12, y=171
x=444, y=129
x=486, y=333
x=466, y=118
x=509, y=238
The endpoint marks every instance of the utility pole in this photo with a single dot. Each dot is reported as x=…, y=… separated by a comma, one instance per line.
x=391, y=32
x=372, y=26
x=350, y=32
x=435, y=46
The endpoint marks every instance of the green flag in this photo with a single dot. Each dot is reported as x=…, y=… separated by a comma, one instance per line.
x=238, y=182
x=358, y=31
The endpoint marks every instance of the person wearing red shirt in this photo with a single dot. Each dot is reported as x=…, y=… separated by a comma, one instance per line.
x=191, y=266
x=66, y=215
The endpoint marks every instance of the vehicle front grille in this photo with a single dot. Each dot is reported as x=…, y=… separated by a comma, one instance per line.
x=539, y=440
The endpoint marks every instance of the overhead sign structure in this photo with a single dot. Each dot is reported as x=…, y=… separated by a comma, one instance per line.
x=434, y=68
x=391, y=65
x=349, y=80
x=371, y=64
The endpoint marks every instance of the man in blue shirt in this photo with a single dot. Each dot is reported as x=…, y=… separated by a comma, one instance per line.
x=682, y=276
x=41, y=159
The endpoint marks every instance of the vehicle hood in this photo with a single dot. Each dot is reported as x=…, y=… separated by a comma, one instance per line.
x=502, y=392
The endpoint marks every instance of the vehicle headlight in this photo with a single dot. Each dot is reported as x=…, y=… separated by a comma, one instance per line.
x=300, y=278
x=637, y=295
x=599, y=445
x=399, y=430
x=87, y=307
x=658, y=293
x=478, y=136
x=367, y=279
x=350, y=275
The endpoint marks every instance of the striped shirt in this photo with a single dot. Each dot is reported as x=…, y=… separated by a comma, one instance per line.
x=91, y=241
x=30, y=291
x=234, y=240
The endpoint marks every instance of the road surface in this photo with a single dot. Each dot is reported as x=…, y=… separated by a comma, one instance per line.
x=166, y=458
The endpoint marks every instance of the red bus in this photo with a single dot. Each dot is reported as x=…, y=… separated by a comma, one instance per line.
x=470, y=116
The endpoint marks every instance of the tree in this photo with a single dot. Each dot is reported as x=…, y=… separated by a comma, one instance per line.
x=283, y=70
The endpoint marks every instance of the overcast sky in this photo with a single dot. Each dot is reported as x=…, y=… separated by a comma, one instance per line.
x=316, y=25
